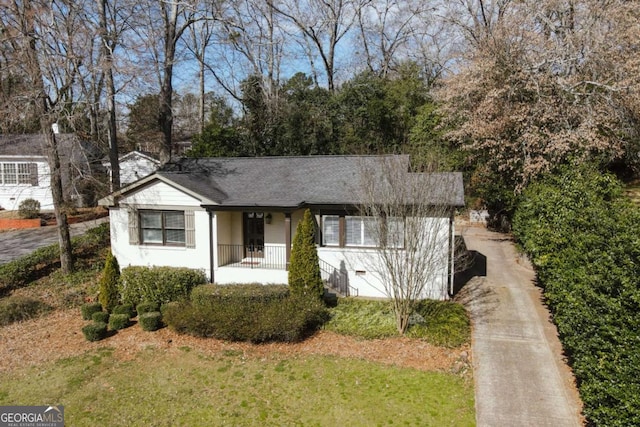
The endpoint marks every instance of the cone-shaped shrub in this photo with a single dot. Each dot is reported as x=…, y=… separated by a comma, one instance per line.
x=304, y=270
x=109, y=296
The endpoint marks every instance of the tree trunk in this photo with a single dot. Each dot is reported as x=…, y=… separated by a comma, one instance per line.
x=107, y=47
x=42, y=110
x=64, y=238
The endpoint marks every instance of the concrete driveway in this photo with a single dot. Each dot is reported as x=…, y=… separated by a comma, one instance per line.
x=520, y=376
x=14, y=244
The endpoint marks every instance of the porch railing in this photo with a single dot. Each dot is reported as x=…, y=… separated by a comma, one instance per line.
x=240, y=256
x=337, y=280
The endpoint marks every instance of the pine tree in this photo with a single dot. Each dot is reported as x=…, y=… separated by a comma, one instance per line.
x=304, y=270
x=109, y=283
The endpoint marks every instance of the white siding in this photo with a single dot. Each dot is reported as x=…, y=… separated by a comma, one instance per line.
x=133, y=169
x=11, y=195
x=161, y=194
x=148, y=255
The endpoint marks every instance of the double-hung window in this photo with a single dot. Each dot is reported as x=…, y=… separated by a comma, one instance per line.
x=331, y=230
x=162, y=228
x=19, y=173
x=361, y=231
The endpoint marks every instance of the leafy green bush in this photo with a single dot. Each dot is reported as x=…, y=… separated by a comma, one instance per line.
x=124, y=309
x=147, y=307
x=150, y=321
x=205, y=294
x=582, y=236
x=119, y=321
x=108, y=295
x=29, y=209
x=158, y=284
x=95, y=331
x=246, y=319
x=100, y=317
x=304, y=270
x=88, y=309
x=17, y=308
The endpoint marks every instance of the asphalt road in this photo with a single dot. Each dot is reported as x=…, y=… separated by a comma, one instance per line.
x=521, y=378
x=14, y=244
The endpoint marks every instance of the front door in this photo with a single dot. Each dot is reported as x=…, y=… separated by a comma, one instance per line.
x=253, y=234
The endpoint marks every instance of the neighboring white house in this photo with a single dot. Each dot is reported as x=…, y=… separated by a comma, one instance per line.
x=235, y=219
x=25, y=173
x=133, y=166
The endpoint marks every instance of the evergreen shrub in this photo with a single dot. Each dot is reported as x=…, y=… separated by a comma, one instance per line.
x=109, y=296
x=88, y=309
x=29, y=209
x=581, y=234
x=95, y=331
x=147, y=307
x=150, y=321
x=119, y=321
x=100, y=316
x=158, y=284
x=304, y=269
x=255, y=320
x=124, y=309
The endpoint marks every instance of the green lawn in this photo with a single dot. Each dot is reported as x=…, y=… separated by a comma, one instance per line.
x=161, y=388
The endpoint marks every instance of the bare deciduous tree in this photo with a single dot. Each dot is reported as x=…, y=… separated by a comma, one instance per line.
x=41, y=37
x=552, y=82
x=409, y=217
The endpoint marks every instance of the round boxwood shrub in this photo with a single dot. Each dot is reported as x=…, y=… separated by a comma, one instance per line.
x=147, y=307
x=29, y=209
x=90, y=308
x=119, y=321
x=124, y=309
x=150, y=321
x=95, y=331
x=100, y=316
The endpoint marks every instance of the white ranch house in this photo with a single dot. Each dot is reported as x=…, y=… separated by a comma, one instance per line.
x=235, y=219
x=25, y=173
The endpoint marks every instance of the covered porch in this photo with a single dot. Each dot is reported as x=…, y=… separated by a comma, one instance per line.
x=255, y=246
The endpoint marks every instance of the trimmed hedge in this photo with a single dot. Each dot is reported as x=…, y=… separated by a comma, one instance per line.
x=158, y=284
x=124, y=309
x=17, y=308
x=88, y=309
x=100, y=316
x=95, y=331
x=205, y=294
x=255, y=320
x=147, y=307
x=119, y=321
x=150, y=321
x=582, y=235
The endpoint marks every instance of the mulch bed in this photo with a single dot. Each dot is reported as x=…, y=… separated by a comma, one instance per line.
x=58, y=335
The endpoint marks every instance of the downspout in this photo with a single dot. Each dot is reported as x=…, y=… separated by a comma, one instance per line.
x=211, y=278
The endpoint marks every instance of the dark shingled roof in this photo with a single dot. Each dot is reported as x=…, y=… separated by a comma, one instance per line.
x=290, y=182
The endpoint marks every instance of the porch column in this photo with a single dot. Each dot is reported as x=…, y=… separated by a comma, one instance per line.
x=287, y=238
